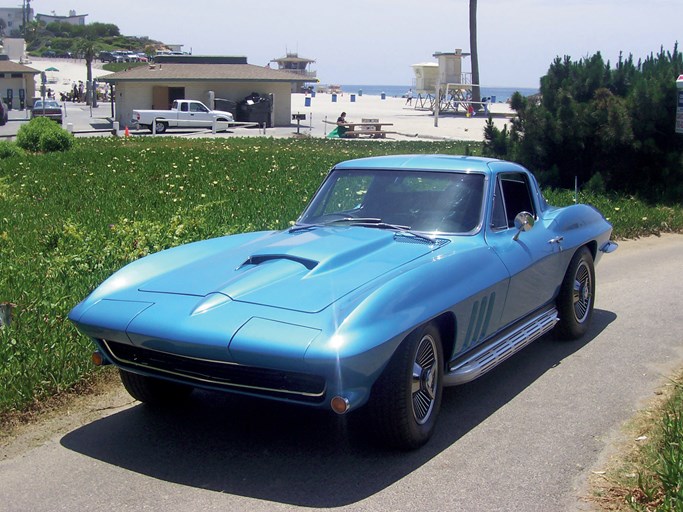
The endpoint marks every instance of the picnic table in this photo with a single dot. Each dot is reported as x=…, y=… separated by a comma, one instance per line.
x=368, y=127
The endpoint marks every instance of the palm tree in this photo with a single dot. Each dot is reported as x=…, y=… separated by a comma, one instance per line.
x=86, y=48
x=476, y=91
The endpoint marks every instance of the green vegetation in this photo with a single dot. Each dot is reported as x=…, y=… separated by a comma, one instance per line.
x=649, y=474
x=613, y=129
x=660, y=484
x=70, y=219
x=115, y=67
x=61, y=38
x=41, y=134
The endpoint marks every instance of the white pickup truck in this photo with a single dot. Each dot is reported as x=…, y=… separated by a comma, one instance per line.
x=183, y=114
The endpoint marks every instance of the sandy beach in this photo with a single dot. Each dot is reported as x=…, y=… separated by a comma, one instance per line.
x=70, y=71
x=407, y=121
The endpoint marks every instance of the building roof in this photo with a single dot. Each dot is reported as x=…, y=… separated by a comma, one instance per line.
x=8, y=66
x=165, y=72
x=292, y=57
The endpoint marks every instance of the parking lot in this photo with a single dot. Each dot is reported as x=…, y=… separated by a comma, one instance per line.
x=82, y=118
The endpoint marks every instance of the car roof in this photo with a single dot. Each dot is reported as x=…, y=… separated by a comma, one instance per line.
x=443, y=163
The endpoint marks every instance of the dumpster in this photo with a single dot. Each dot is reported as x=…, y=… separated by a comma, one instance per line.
x=255, y=109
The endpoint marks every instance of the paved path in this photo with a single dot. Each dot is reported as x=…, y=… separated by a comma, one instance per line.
x=523, y=437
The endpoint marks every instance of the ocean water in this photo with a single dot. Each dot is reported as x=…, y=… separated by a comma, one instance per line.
x=502, y=94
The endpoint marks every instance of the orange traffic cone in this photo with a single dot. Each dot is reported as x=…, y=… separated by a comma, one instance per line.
x=126, y=132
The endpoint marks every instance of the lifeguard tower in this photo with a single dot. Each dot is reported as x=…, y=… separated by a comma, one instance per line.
x=292, y=63
x=445, y=80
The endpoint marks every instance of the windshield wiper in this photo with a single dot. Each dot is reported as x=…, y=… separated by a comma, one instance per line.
x=372, y=222
x=362, y=221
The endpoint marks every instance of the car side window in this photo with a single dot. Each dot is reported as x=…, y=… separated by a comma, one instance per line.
x=498, y=217
x=513, y=196
x=183, y=107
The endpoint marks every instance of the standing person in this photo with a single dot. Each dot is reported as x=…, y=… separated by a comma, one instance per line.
x=409, y=97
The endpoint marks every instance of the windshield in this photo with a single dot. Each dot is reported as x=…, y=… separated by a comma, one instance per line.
x=48, y=104
x=432, y=202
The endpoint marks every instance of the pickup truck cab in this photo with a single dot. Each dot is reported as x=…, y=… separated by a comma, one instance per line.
x=183, y=114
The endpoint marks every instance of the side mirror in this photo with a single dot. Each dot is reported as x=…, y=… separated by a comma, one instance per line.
x=524, y=221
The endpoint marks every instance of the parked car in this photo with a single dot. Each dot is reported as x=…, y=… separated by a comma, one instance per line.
x=48, y=108
x=403, y=275
x=183, y=114
x=105, y=56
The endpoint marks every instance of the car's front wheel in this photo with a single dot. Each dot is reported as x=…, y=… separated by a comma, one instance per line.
x=406, y=399
x=153, y=391
x=577, y=296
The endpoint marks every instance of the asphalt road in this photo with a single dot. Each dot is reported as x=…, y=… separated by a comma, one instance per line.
x=524, y=437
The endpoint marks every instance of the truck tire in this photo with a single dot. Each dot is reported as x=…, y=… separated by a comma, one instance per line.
x=160, y=127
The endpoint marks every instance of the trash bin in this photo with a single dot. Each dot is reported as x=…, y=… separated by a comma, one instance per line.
x=255, y=109
x=353, y=98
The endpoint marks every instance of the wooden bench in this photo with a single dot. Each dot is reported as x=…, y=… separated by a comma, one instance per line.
x=373, y=134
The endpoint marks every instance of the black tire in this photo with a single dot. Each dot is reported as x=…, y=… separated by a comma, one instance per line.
x=153, y=391
x=159, y=126
x=577, y=296
x=404, y=405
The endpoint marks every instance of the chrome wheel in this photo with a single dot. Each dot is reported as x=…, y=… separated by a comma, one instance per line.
x=583, y=292
x=425, y=381
x=577, y=296
x=405, y=400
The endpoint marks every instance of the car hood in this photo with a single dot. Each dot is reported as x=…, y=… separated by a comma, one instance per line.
x=302, y=271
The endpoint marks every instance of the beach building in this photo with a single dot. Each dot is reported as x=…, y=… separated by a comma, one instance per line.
x=14, y=48
x=17, y=83
x=214, y=80
x=14, y=18
x=292, y=63
x=71, y=19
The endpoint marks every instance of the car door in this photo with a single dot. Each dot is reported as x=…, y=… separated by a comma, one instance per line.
x=532, y=258
x=200, y=115
x=184, y=114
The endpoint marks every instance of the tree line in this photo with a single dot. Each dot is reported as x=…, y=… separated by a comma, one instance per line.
x=611, y=129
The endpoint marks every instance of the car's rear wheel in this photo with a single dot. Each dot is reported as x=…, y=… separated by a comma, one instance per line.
x=159, y=127
x=406, y=399
x=153, y=391
x=577, y=296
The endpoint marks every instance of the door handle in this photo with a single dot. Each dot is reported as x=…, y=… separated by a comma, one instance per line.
x=557, y=240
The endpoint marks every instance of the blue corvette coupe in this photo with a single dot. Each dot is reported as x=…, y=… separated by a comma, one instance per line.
x=403, y=275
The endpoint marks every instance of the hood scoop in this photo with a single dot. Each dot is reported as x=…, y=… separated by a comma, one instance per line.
x=257, y=259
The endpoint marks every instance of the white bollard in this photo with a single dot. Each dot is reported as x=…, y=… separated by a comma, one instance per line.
x=70, y=127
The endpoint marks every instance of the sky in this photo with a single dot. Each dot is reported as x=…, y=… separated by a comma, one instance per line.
x=375, y=42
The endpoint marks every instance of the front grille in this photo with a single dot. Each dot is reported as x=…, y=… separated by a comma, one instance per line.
x=263, y=381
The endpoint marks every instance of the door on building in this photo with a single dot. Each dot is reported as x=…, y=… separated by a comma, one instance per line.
x=163, y=97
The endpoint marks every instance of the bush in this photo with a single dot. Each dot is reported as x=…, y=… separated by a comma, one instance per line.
x=43, y=135
x=9, y=149
x=56, y=140
x=591, y=118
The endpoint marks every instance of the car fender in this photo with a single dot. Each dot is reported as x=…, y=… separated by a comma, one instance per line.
x=156, y=264
x=376, y=321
